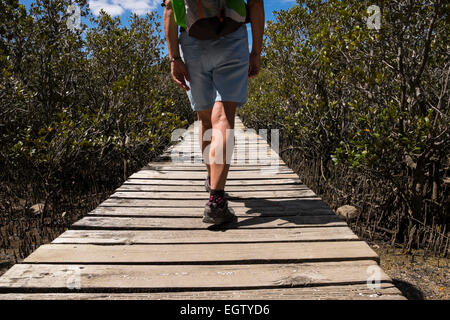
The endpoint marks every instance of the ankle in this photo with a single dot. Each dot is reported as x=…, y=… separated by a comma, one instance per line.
x=217, y=192
x=217, y=197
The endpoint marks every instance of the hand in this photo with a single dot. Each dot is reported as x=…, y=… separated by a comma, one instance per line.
x=180, y=74
x=254, y=65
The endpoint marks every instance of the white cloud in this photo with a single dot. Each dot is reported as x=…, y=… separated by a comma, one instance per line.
x=117, y=7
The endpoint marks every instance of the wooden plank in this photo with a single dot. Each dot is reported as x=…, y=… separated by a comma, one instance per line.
x=248, y=203
x=197, y=160
x=235, y=157
x=185, y=159
x=204, y=236
x=236, y=148
x=117, y=223
x=194, y=212
x=240, y=130
x=387, y=291
x=238, y=154
x=246, y=143
x=249, y=145
x=263, y=149
x=195, y=175
x=201, y=164
x=189, y=195
x=239, y=135
x=196, y=171
x=203, y=253
x=264, y=152
x=202, y=168
x=252, y=145
x=238, y=190
x=131, y=278
x=201, y=182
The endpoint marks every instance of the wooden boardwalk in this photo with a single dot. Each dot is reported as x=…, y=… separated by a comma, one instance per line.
x=147, y=241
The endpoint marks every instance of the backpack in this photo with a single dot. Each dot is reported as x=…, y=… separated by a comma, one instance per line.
x=210, y=19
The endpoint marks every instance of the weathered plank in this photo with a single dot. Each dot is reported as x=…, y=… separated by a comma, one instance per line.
x=201, y=182
x=202, y=168
x=386, y=291
x=345, y=292
x=263, y=150
x=131, y=278
x=195, y=175
x=130, y=187
x=204, y=236
x=185, y=159
x=249, y=145
x=236, y=159
x=203, y=195
x=242, y=202
x=203, y=253
x=201, y=165
x=117, y=223
x=241, y=146
x=238, y=138
x=194, y=212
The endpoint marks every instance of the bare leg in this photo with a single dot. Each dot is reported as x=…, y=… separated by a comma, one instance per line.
x=222, y=119
x=205, y=124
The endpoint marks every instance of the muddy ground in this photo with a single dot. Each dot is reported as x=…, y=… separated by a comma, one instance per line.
x=418, y=275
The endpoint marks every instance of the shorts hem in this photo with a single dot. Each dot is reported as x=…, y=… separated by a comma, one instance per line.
x=204, y=108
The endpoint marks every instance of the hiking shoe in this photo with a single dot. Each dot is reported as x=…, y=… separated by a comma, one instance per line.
x=207, y=185
x=216, y=214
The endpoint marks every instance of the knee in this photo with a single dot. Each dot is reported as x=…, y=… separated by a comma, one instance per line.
x=216, y=120
x=223, y=114
x=220, y=119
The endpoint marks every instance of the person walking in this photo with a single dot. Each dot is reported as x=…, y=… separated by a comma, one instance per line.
x=213, y=66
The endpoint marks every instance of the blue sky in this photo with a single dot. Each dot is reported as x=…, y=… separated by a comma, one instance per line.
x=123, y=8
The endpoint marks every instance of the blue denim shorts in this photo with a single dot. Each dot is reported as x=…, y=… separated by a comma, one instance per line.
x=218, y=69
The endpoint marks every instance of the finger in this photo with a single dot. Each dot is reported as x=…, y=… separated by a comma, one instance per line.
x=180, y=83
x=186, y=75
x=183, y=85
x=183, y=81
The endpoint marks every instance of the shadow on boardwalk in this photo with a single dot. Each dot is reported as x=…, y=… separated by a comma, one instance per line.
x=307, y=212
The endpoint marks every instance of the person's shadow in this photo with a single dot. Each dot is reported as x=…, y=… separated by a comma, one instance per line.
x=290, y=211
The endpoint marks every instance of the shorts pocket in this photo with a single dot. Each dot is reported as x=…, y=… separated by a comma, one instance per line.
x=189, y=47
